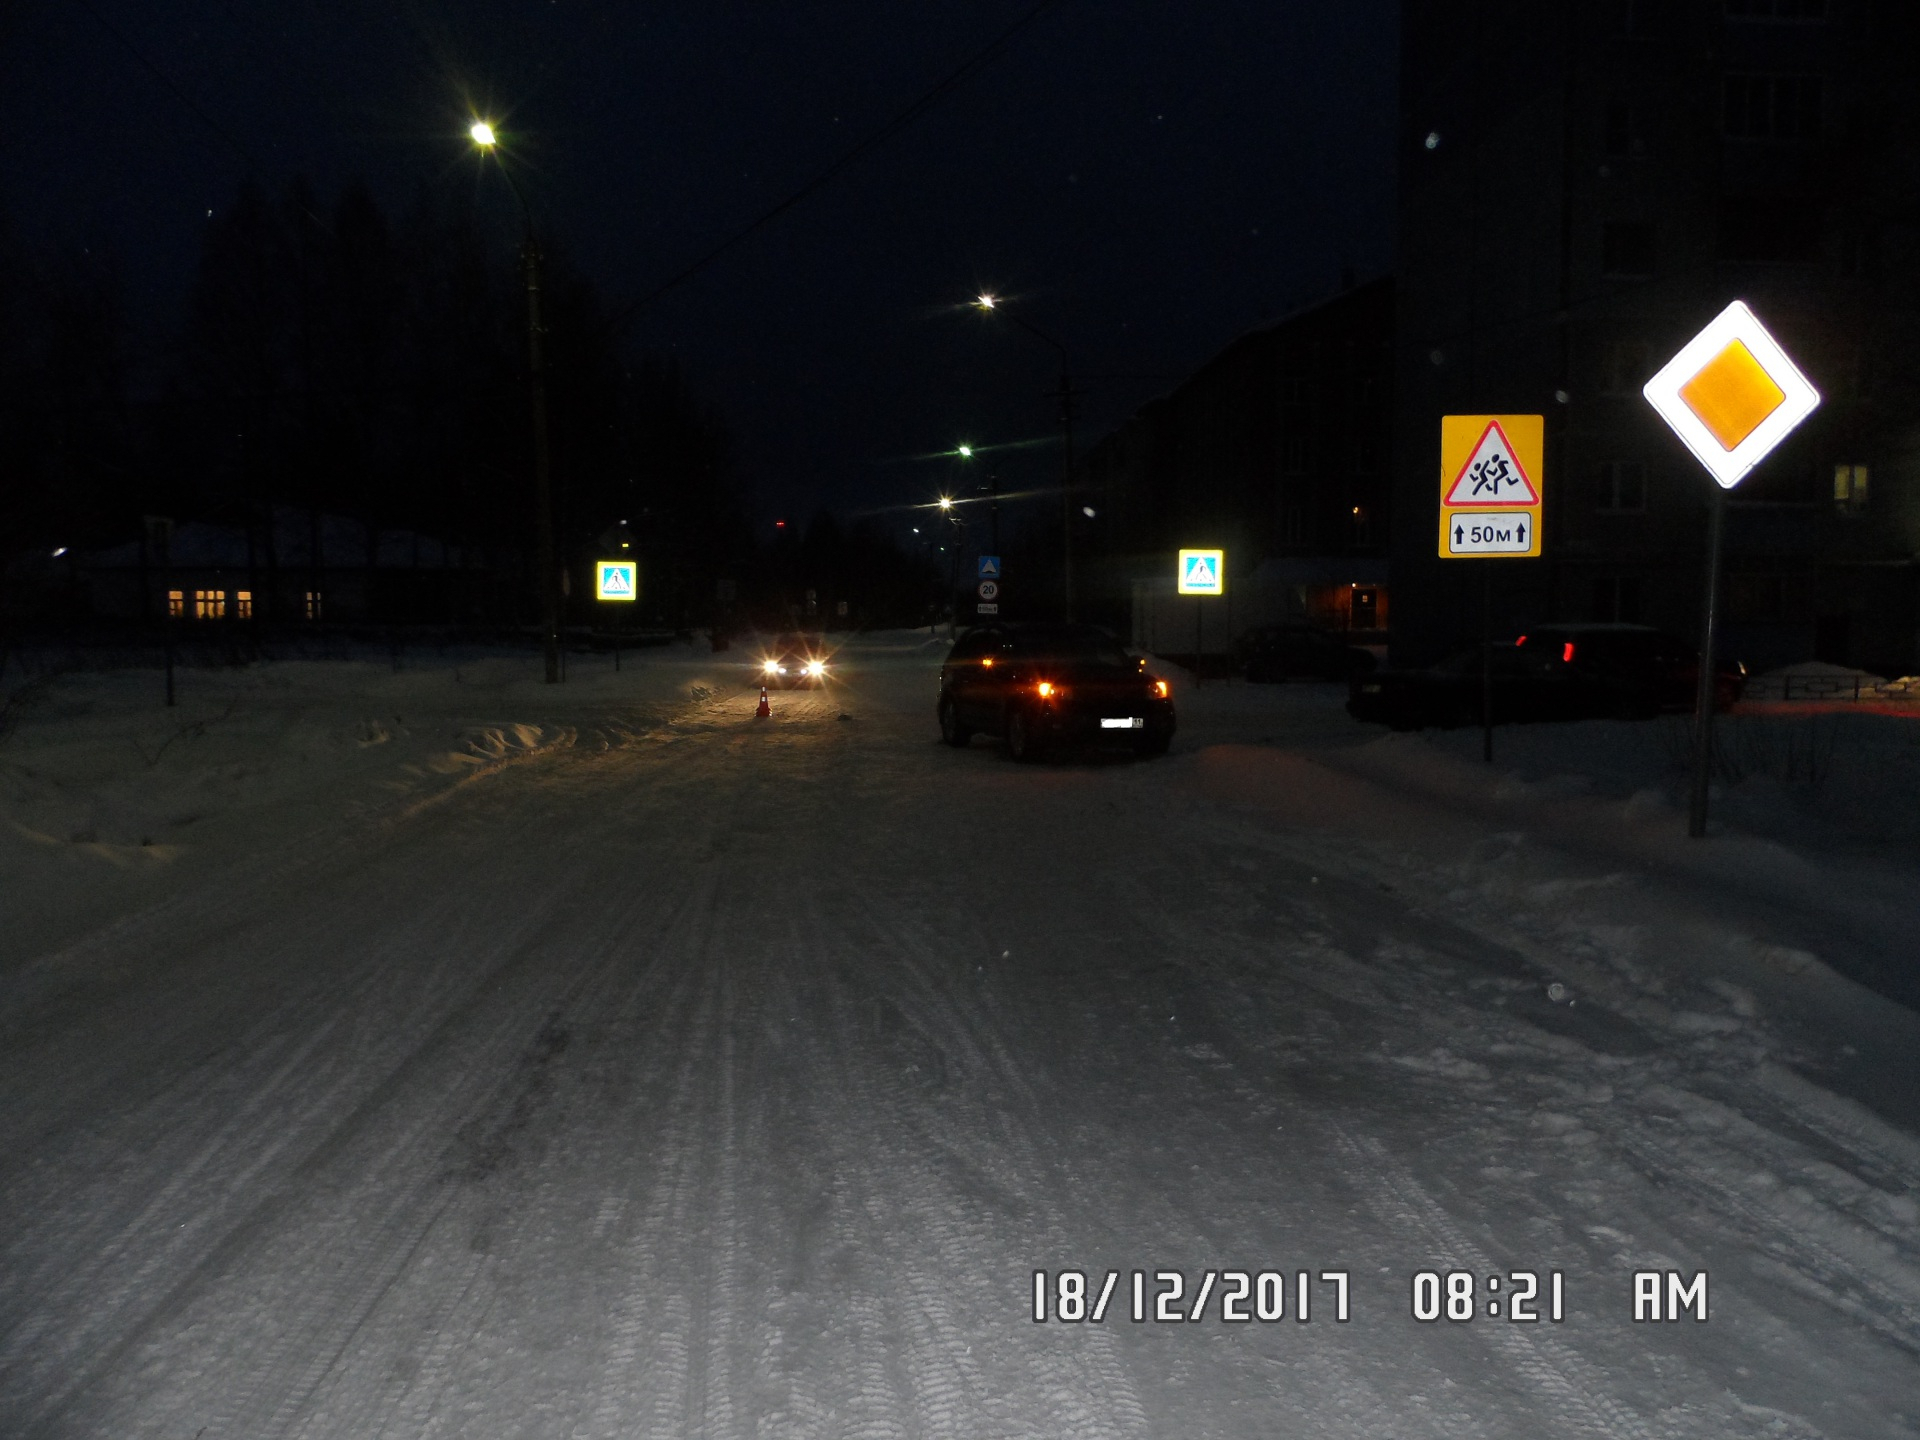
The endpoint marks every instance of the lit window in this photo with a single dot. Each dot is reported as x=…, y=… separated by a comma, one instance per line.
x=243, y=604
x=176, y=604
x=1850, y=489
x=209, y=604
x=312, y=609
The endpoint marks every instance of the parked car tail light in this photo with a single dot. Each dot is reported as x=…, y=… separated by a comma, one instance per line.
x=987, y=663
x=1521, y=641
x=1566, y=653
x=1047, y=690
x=1160, y=688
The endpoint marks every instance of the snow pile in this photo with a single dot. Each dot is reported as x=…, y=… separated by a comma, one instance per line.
x=104, y=790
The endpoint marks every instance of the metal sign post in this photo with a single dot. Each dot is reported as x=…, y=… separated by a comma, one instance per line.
x=1731, y=395
x=987, y=591
x=1201, y=573
x=1492, y=490
x=617, y=581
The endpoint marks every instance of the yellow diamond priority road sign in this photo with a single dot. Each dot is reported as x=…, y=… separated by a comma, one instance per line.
x=1490, y=486
x=1731, y=394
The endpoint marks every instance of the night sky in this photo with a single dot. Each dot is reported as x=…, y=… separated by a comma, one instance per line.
x=1148, y=179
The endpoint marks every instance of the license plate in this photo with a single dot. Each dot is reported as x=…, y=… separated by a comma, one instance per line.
x=1136, y=723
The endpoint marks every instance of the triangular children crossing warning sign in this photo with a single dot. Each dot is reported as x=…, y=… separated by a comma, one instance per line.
x=1492, y=475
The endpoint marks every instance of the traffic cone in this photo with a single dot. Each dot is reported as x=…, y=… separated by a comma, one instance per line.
x=765, y=710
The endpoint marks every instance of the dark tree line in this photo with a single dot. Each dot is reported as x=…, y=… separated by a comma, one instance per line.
x=340, y=360
x=336, y=358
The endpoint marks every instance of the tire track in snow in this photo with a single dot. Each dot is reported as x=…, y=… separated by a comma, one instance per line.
x=1577, y=1396
x=366, y=1264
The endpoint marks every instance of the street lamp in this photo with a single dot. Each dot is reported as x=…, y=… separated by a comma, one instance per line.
x=484, y=137
x=988, y=303
x=958, y=538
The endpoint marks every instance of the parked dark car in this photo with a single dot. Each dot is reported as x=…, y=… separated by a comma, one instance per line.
x=1038, y=686
x=793, y=660
x=1628, y=672
x=1553, y=672
x=1269, y=654
x=1450, y=693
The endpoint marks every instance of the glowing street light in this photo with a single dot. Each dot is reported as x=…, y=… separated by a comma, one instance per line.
x=965, y=452
x=946, y=502
x=482, y=134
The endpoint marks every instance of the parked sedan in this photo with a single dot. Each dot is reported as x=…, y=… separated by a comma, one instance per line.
x=1269, y=654
x=1039, y=686
x=1451, y=693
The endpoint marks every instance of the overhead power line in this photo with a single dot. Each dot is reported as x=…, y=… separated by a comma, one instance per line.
x=977, y=62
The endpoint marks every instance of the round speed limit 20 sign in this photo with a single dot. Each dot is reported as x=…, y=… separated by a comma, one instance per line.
x=989, y=589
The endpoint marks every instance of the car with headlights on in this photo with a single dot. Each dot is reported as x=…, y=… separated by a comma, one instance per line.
x=1039, y=686
x=794, y=660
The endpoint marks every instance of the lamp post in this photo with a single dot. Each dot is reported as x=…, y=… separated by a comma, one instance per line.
x=484, y=137
x=991, y=304
x=953, y=570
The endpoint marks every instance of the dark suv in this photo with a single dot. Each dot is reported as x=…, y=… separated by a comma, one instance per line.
x=1041, y=685
x=1626, y=671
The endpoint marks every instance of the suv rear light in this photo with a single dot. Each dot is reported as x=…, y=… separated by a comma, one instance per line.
x=1566, y=653
x=1160, y=688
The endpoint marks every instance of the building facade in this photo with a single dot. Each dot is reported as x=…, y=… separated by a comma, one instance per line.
x=1583, y=185
x=1277, y=451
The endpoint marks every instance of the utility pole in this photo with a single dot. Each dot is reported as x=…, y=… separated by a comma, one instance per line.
x=542, y=461
x=1067, y=396
x=991, y=305
x=547, y=577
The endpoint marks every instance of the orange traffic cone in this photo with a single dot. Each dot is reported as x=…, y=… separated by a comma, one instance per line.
x=765, y=710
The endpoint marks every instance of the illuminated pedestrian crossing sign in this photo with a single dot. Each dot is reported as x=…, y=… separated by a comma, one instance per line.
x=1491, y=485
x=1203, y=572
x=989, y=567
x=616, y=580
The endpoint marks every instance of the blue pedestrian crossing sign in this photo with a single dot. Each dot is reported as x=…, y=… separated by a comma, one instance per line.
x=616, y=580
x=1203, y=572
x=989, y=567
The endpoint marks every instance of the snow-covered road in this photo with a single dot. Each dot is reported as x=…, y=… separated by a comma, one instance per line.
x=665, y=1072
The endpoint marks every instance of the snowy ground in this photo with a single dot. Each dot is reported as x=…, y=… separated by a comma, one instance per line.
x=434, y=1052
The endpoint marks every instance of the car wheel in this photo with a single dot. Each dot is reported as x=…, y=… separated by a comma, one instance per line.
x=1023, y=739
x=951, y=730
x=1147, y=747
